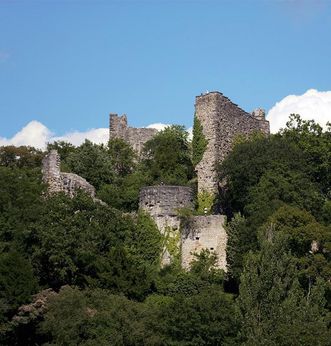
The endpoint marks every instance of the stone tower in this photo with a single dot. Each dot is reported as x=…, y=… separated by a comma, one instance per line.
x=222, y=121
x=163, y=203
x=58, y=181
x=136, y=137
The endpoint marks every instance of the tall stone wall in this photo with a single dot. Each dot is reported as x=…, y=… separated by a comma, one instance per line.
x=162, y=203
x=136, y=137
x=204, y=232
x=58, y=181
x=222, y=121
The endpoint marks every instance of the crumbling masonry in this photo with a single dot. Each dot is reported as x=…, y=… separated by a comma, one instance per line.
x=183, y=239
x=136, y=137
x=222, y=122
x=163, y=203
x=58, y=181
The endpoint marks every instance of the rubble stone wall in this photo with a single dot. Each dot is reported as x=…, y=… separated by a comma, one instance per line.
x=222, y=122
x=58, y=181
x=162, y=203
x=136, y=137
x=204, y=232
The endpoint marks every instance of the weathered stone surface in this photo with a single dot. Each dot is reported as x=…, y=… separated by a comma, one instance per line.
x=136, y=137
x=222, y=121
x=162, y=202
x=57, y=181
x=204, y=232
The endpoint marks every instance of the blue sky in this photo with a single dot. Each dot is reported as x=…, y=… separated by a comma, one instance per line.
x=68, y=64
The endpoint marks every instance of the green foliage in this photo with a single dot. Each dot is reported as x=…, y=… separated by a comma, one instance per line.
x=123, y=193
x=246, y=164
x=302, y=230
x=146, y=241
x=75, y=240
x=278, y=251
x=271, y=299
x=122, y=156
x=278, y=187
x=166, y=157
x=92, y=162
x=93, y=318
x=240, y=240
x=20, y=157
x=17, y=281
x=199, y=142
x=63, y=148
x=20, y=203
x=171, y=244
x=316, y=145
x=204, y=266
x=205, y=202
x=204, y=319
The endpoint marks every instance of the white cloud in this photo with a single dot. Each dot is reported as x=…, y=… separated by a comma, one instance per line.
x=98, y=136
x=190, y=133
x=313, y=104
x=38, y=135
x=34, y=134
x=158, y=126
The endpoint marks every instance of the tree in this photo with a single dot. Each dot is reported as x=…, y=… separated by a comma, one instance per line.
x=92, y=162
x=207, y=318
x=248, y=161
x=308, y=240
x=20, y=204
x=64, y=149
x=315, y=144
x=274, y=309
x=166, y=157
x=71, y=236
x=122, y=157
x=94, y=317
x=199, y=142
x=23, y=156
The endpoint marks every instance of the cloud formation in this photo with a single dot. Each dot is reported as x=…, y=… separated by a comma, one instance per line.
x=37, y=135
x=34, y=134
x=313, y=104
x=97, y=136
x=158, y=126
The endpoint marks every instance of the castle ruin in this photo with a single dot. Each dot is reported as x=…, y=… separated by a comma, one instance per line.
x=136, y=137
x=58, y=181
x=205, y=232
x=222, y=121
x=163, y=203
x=183, y=239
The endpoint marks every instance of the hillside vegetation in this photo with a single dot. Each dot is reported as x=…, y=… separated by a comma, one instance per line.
x=76, y=272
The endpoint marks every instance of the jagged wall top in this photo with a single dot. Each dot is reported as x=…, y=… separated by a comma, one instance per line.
x=222, y=120
x=136, y=137
x=165, y=200
x=58, y=181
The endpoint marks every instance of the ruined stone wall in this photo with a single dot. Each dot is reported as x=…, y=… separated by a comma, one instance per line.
x=57, y=181
x=136, y=137
x=222, y=121
x=162, y=202
x=204, y=232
